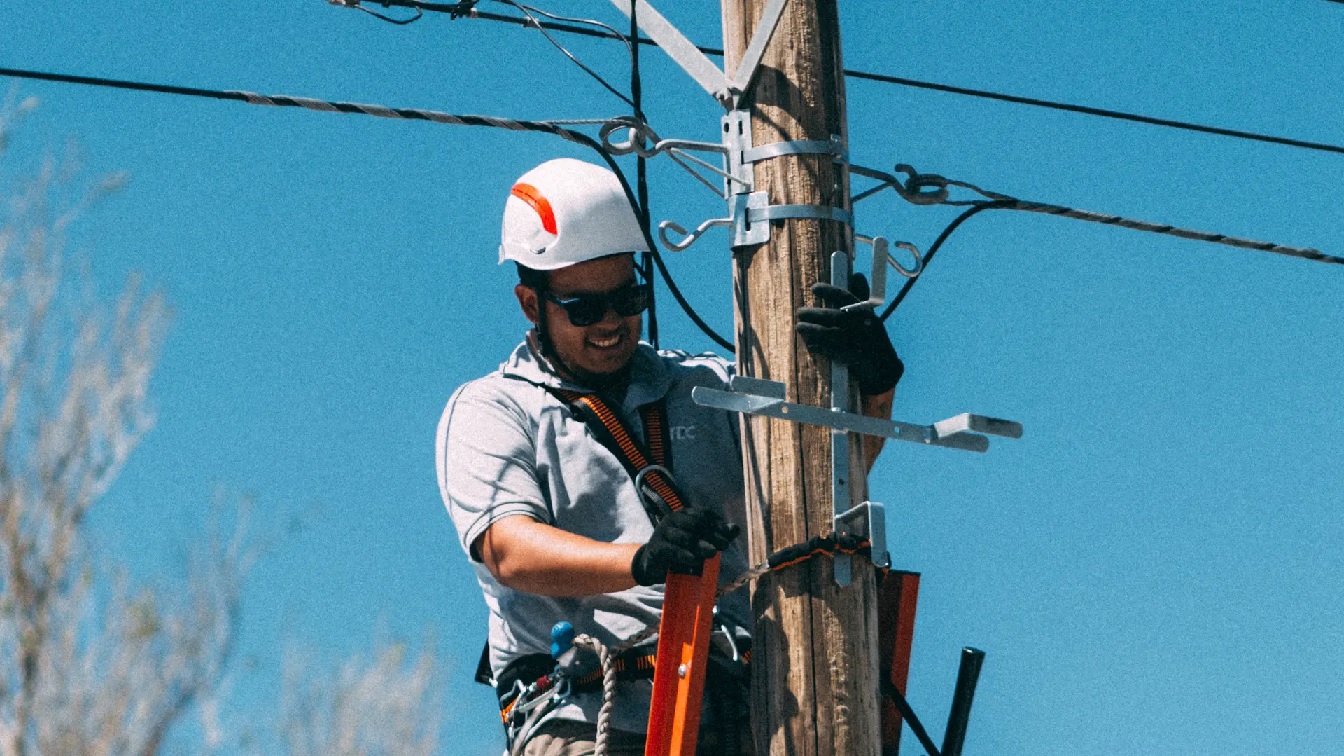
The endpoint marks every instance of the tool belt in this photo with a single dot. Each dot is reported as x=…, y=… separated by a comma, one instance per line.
x=635, y=664
x=632, y=665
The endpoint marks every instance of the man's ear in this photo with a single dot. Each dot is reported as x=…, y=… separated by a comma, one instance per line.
x=528, y=300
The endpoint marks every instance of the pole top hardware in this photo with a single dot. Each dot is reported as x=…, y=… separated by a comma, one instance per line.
x=832, y=147
x=695, y=63
x=756, y=396
x=750, y=221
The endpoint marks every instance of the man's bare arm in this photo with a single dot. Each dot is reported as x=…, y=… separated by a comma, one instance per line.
x=878, y=405
x=528, y=555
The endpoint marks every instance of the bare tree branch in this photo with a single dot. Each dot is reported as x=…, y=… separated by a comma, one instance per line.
x=90, y=663
x=87, y=665
x=387, y=706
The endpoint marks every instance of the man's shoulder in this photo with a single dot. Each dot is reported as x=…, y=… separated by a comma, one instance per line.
x=699, y=367
x=494, y=393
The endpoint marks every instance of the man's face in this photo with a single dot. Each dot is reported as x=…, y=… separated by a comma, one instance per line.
x=604, y=347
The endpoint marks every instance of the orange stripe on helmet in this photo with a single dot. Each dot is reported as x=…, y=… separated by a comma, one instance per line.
x=529, y=194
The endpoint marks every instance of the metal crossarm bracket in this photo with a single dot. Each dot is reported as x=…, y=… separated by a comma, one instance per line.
x=750, y=220
x=840, y=402
x=746, y=396
x=757, y=396
x=680, y=49
x=751, y=59
x=966, y=422
x=685, y=54
x=867, y=520
x=744, y=209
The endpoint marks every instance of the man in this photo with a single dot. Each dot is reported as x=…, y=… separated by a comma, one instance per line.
x=545, y=508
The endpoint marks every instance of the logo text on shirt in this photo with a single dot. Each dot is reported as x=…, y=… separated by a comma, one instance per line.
x=683, y=432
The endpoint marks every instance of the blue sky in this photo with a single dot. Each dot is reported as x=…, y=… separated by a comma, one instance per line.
x=1154, y=568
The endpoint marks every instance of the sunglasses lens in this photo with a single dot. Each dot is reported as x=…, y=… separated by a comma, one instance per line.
x=585, y=311
x=630, y=301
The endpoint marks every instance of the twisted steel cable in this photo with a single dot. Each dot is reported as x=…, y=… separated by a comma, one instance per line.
x=382, y=111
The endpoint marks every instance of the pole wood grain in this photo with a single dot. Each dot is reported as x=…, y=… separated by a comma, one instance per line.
x=814, y=658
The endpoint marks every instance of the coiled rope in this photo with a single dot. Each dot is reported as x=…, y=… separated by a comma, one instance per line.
x=604, y=657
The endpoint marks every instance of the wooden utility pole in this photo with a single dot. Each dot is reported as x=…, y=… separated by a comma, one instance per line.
x=814, y=679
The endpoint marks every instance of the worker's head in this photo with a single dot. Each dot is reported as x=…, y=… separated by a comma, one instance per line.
x=570, y=228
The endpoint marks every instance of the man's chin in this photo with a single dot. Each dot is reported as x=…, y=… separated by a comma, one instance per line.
x=605, y=368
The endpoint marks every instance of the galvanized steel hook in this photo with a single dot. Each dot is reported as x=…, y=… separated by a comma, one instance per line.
x=687, y=238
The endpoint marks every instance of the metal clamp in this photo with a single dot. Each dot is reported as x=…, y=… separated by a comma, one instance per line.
x=737, y=141
x=831, y=147
x=746, y=232
x=868, y=520
x=786, y=212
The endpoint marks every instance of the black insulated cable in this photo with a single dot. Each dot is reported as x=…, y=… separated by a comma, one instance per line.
x=937, y=244
x=528, y=11
x=382, y=111
x=936, y=87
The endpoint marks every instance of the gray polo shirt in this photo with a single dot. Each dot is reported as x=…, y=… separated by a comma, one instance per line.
x=506, y=446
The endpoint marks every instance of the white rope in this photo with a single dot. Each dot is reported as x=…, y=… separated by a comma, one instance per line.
x=604, y=657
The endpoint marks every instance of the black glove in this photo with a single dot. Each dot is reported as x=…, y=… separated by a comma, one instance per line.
x=852, y=337
x=681, y=543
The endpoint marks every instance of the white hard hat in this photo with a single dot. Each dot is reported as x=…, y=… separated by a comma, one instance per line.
x=566, y=211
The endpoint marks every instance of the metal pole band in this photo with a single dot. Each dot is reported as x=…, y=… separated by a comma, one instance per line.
x=785, y=212
x=830, y=147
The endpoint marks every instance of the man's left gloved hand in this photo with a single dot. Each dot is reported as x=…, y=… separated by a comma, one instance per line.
x=854, y=337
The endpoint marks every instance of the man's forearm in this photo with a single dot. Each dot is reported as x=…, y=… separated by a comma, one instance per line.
x=878, y=405
x=531, y=556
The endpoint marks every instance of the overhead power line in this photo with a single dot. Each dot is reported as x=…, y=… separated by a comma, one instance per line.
x=459, y=11
x=932, y=189
x=1086, y=110
x=921, y=189
x=382, y=111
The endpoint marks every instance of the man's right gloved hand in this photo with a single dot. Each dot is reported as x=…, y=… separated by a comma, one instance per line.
x=681, y=542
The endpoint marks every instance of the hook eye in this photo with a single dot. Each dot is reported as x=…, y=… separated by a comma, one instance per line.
x=687, y=238
x=640, y=138
x=914, y=270
x=917, y=186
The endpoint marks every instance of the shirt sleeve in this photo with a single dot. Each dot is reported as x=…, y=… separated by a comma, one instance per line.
x=485, y=456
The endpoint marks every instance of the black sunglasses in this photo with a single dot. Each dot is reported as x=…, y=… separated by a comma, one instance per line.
x=586, y=309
